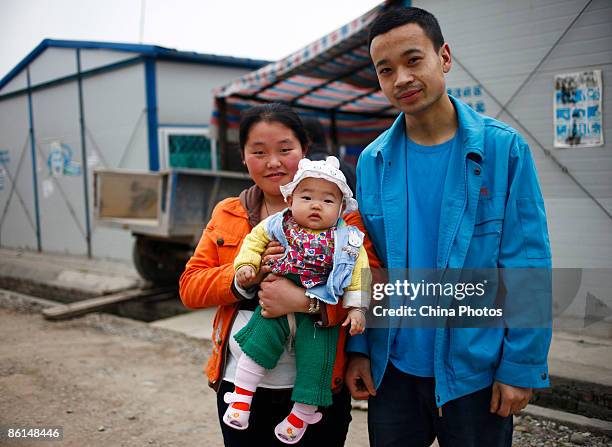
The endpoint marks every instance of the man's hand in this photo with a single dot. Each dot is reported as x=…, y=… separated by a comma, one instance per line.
x=508, y=399
x=359, y=378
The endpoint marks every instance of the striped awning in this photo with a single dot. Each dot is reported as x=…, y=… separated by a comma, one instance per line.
x=331, y=79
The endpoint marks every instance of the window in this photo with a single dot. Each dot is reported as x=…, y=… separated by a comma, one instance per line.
x=187, y=147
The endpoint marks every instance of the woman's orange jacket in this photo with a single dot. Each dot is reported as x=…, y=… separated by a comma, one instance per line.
x=209, y=275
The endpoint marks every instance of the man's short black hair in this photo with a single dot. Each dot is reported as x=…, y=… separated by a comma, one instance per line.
x=397, y=17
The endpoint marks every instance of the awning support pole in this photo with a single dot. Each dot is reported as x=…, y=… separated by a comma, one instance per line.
x=222, y=131
x=334, y=132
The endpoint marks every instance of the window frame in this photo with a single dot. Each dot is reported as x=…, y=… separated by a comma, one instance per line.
x=164, y=133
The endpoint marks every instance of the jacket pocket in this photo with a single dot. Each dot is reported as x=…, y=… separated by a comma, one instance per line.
x=489, y=210
x=371, y=212
x=227, y=245
x=474, y=350
x=484, y=246
x=535, y=233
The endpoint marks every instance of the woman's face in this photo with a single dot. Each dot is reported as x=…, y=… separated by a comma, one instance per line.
x=271, y=154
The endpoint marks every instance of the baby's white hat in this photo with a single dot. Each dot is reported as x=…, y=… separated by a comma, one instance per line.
x=328, y=169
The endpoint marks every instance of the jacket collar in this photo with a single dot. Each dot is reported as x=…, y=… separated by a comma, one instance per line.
x=248, y=205
x=471, y=126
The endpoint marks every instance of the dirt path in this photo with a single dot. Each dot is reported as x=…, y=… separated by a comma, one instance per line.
x=109, y=382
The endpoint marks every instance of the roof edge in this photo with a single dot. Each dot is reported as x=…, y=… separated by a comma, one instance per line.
x=154, y=51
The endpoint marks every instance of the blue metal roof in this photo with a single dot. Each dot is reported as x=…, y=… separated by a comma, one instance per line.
x=153, y=51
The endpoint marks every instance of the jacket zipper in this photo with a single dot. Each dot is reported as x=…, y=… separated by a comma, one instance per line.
x=450, y=246
x=231, y=323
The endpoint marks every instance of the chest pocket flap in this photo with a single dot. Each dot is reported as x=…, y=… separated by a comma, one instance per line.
x=489, y=215
x=227, y=245
x=224, y=238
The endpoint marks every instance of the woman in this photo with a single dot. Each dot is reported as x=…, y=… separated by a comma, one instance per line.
x=272, y=142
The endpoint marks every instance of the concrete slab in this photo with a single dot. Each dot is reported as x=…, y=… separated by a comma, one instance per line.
x=196, y=324
x=561, y=417
x=91, y=276
x=570, y=419
x=582, y=358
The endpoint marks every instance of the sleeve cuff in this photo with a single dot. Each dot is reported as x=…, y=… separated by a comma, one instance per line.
x=255, y=263
x=358, y=344
x=526, y=376
x=320, y=292
x=354, y=298
x=241, y=293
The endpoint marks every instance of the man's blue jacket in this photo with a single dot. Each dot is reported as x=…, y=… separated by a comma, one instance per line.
x=492, y=216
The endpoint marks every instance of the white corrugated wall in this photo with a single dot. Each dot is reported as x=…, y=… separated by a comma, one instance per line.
x=115, y=115
x=499, y=45
x=115, y=118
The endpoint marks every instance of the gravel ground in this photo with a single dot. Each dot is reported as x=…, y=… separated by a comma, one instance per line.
x=118, y=382
x=535, y=432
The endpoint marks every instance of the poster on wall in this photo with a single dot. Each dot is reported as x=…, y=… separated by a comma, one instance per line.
x=60, y=161
x=4, y=159
x=578, y=109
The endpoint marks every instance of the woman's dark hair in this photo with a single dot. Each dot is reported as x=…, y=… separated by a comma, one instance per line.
x=397, y=17
x=272, y=113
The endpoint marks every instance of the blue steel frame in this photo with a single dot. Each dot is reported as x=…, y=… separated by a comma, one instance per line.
x=33, y=156
x=85, y=168
x=153, y=51
x=152, y=126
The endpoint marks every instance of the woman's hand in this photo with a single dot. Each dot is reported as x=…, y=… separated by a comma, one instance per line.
x=274, y=250
x=279, y=296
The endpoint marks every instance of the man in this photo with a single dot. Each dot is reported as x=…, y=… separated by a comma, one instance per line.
x=444, y=188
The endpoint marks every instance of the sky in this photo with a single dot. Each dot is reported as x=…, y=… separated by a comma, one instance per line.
x=263, y=29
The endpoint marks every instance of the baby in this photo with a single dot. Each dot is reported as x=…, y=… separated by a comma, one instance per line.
x=322, y=254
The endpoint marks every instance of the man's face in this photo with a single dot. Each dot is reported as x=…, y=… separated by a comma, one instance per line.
x=410, y=71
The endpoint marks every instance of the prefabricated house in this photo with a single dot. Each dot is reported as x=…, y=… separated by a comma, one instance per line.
x=71, y=106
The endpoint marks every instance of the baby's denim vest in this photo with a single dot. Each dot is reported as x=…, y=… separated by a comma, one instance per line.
x=347, y=242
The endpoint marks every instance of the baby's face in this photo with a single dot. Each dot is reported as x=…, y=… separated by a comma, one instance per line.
x=315, y=203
